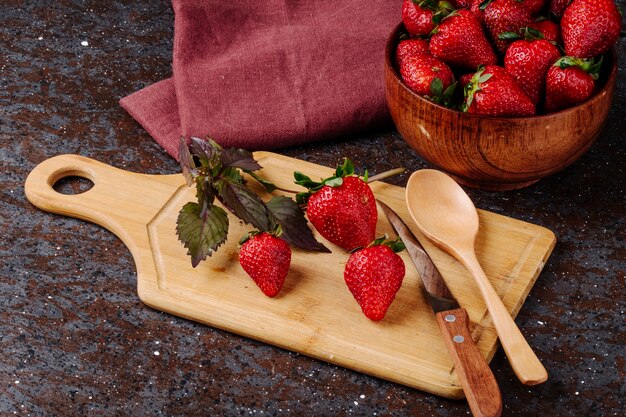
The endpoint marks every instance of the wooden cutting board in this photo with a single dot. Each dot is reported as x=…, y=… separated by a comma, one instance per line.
x=315, y=314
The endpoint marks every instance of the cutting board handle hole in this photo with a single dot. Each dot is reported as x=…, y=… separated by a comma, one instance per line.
x=72, y=184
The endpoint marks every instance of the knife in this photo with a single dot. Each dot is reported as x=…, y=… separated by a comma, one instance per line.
x=478, y=383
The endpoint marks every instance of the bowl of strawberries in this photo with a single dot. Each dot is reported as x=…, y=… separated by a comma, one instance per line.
x=502, y=93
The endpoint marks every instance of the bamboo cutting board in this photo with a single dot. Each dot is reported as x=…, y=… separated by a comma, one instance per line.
x=314, y=314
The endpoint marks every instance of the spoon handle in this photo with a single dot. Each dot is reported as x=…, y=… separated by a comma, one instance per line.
x=523, y=360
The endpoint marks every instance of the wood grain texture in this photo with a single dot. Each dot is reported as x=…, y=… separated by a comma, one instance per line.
x=496, y=153
x=314, y=314
x=479, y=385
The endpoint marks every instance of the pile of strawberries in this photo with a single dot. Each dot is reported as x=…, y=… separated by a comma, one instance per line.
x=508, y=58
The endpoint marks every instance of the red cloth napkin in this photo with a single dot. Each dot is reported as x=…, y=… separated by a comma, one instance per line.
x=268, y=74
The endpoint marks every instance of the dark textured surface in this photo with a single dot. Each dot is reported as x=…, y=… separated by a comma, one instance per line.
x=75, y=339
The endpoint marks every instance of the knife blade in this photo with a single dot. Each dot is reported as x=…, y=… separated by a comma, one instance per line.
x=477, y=380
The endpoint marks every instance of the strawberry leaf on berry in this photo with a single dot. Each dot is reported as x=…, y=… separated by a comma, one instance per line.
x=590, y=66
x=346, y=169
x=395, y=245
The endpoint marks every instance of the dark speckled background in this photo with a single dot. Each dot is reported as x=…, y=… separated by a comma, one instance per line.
x=75, y=339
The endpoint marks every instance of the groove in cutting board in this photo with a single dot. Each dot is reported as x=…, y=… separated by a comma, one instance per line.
x=314, y=314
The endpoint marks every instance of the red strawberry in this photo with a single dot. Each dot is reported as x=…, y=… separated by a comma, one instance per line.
x=590, y=27
x=557, y=7
x=528, y=62
x=549, y=30
x=462, y=4
x=266, y=259
x=533, y=6
x=460, y=41
x=465, y=79
x=373, y=276
x=417, y=20
x=342, y=208
x=494, y=92
x=478, y=11
x=503, y=17
x=410, y=47
x=570, y=81
x=419, y=73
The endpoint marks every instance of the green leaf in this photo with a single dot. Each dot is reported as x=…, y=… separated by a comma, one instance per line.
x=484, y=4
x=233, y=174
x=436, y=87
x=269, y=187
x=201, y=231
x=348, y=167
x=295, y=231
x=508, y=36
x=594, y=68
x=484, y=78
x=243, y=203
x=187, y=164
x=447, y=95
x=395, y=245
x=303, y=198
x=334, y=181
x=239, y=158
x=305, y=181
x=532, y=34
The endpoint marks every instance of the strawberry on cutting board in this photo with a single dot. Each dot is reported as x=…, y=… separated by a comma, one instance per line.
x=528, y=61
x=342, y=207
x=266, y=258
x=590, y=27
x=461, y=42
x=494, y=92
x=570, y=81
x=374, y=276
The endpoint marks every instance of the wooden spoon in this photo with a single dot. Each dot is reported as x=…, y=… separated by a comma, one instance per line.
x=446, y=215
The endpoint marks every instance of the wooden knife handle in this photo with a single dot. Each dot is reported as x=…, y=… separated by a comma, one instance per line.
x=479, y=384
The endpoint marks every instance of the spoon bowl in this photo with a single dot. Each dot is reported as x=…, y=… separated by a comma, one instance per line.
x=446, y=215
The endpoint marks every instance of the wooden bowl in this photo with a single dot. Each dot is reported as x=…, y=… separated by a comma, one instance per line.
x=495, y=153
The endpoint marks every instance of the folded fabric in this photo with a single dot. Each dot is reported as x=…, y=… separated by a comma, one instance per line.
x=262, y=75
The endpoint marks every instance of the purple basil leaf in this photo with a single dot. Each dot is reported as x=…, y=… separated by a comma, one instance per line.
x=186, y=162
x=201, y=231
x=208, y=152
x=291, y=219
x=243, y=203
x=239, y=158
x=269, y=187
